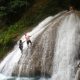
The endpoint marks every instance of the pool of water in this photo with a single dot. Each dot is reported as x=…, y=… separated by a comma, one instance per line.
x=2, y=77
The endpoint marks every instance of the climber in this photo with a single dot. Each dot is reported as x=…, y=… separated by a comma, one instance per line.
x=21, y=45
x=71, y=8
x=28, y=39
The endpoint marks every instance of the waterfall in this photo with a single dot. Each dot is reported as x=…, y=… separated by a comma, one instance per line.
x=8, y=64
x=54, y=54
x=66, y=47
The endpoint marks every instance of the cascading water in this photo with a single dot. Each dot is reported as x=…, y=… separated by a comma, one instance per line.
x=8, y=64
x=53, y=55
x=66, y=48
x=27, y=64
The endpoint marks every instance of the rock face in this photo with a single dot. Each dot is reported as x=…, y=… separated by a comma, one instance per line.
x=38, y=59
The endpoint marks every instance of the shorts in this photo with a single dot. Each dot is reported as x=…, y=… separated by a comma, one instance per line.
x=21, y=48
x=29, y=41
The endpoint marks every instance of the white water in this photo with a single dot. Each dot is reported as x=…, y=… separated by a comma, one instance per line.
x=65, y=49
x=8, y=64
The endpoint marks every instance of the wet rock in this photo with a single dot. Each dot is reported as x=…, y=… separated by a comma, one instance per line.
x=38, y=60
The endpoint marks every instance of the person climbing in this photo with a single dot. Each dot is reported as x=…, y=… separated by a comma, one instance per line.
x=21, y=45
x=28, y=39
x=71, y=8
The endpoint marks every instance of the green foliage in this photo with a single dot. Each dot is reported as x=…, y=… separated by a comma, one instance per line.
x=2, y=11
x=14, y=5
x=17, y=3
x=2, y=14
x=2, y=8
x=12, y=8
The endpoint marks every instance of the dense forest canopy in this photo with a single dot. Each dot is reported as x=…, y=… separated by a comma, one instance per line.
x=9, y=9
